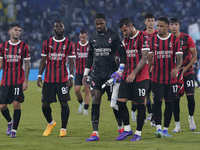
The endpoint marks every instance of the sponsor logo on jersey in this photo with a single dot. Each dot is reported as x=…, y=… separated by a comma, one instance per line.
x=109, y=40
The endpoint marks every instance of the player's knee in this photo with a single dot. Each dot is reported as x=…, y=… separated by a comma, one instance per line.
x=3, y=107
x=63, y=104
x=45, y=105
x=16, y=105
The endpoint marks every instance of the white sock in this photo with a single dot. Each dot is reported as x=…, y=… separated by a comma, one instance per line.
x=165, y=128
x=138, y=132
x=97, y=133
x=177, y=125
x=63, y=129
x=13, y=130
x=127, y=128
x=10, y=122
x=51, y=122
x=158, y=127
x=120, y=127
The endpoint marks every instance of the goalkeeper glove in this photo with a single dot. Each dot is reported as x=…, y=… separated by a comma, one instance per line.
x=117, y=76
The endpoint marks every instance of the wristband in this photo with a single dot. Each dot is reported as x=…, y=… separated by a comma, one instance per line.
x=86, y=71
x=71, y=76
x=39, y=76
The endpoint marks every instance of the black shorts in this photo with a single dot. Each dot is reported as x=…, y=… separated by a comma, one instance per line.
x=78, y=79
x=166, y=91
x=149, y=89
x=11, y=93
x=135, y=91
x=189, y=84
x=96, y=83
x=49, y=91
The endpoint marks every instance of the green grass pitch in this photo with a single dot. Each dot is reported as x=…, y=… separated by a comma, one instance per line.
x=33, y=124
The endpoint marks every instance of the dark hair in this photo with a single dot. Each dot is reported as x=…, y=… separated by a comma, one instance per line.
x=83, y=32
x=164, y=19
x=147, y=16
x=173, y=20
x=100, y=16
x=14, y=25
x=125, y=21
x=58, y=21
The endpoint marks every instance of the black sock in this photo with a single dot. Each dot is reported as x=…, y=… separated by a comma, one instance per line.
x=47, y=114
x=168, y=113
x=140, y=116
x=123, y=111
x=152, y=117
x=149, y=110
x=191, y=104
x=86, y=106
x=16, y=118
x=6, y=115
x=117, y=117
x=176, y=110
x=157, y=111
x=133, y=108
x=64, y=115
x=95, y=116
x=80, y=101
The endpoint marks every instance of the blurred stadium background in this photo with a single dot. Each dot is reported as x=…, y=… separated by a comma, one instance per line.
x=36, y=18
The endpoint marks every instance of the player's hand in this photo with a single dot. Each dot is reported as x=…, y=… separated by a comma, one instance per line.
x=39, y=81
x=130, y=78
x=25, y=85
x=184, y=69
x=70, y=82
x=84, y=81
x=117, y=76
x=174, y=72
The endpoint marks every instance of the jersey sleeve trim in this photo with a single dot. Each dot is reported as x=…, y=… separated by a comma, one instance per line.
x=43, y=54
x=29, y=58
x=72, y=56
x=145, y=49
x=179, y=52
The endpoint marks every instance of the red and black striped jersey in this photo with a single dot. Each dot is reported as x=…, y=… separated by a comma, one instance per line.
x=152, y=34
x=134, y=47
x=81, y=51
x=56, y=52
x=164, y=58
x=13, y=55
x=186, y=44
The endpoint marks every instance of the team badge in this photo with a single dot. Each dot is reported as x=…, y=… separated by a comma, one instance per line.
x=170, y=44
x=19, y=50
x=63, y=46
x=109, y=40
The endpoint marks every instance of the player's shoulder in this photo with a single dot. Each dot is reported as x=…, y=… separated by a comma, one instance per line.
x=183, y=34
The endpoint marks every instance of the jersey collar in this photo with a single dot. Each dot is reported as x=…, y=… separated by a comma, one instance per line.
x=59, y=40
x=83, y=44
x=14, y=43
x=134, y=35
x=164, y=38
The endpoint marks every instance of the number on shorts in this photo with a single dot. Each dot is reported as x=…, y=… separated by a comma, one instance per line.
x=175, y=88
x=190, y=83
x=141, y=92
x=64, y=90
x=16, y=91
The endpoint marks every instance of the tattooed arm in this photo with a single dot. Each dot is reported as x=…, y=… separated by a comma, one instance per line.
x=27, y=70
x=179, y=60
x=140, y=65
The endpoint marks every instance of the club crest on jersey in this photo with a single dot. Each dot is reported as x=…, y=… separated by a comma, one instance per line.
x=19, y=50
x=64, y=47
x=181, y=43
x=170, y=44
x=109, y=40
